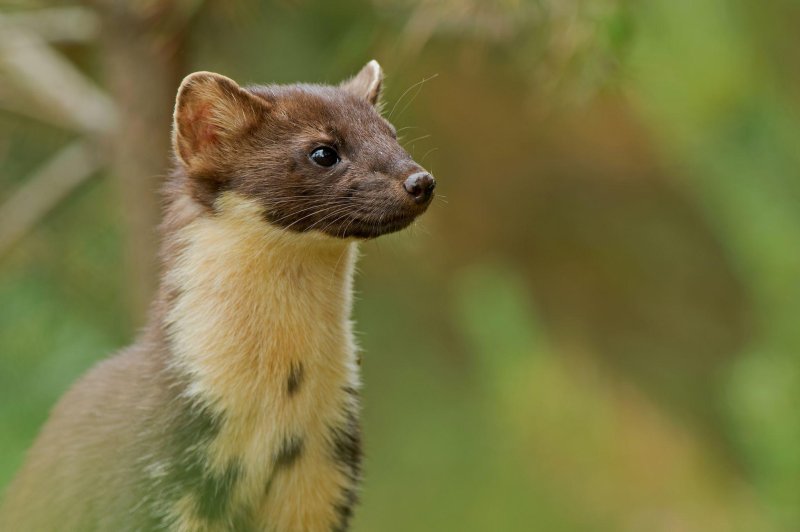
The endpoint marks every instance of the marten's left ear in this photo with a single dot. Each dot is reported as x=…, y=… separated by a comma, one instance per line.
x=367, y=83
x=211, y=113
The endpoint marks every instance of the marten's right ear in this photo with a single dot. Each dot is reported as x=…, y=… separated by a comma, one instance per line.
x=210, y=112
x=367, y=83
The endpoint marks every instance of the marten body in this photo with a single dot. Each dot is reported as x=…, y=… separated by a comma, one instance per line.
x=237, y=408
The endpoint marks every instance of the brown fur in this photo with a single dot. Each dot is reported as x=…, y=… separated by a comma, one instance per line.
x=237, y=408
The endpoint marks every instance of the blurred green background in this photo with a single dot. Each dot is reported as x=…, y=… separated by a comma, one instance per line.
x=595, y=327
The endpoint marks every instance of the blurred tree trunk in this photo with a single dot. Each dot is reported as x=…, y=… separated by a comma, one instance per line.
x=143, y=44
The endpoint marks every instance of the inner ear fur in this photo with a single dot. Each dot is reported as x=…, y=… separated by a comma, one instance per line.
x=211, y=110
x=367, y=83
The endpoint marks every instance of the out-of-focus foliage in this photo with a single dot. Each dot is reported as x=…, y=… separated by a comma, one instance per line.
x=594, y=328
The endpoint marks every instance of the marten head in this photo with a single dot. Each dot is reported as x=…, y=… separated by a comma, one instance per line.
x=315, y=157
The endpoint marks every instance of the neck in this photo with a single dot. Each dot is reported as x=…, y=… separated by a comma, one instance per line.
x=257, y=309
x=258, y=333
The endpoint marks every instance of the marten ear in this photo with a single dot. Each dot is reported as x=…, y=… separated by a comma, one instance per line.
x=210, y=112
x=367, y=83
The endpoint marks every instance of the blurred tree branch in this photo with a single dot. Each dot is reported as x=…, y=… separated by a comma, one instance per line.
x=51, y=84
x=45, y=189
x=45, y=86
x=56, y=24
x=142, y=43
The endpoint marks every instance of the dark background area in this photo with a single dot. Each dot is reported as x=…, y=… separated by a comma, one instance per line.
x=593, y=328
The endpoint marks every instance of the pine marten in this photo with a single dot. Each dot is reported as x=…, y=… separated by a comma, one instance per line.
x=238, y=406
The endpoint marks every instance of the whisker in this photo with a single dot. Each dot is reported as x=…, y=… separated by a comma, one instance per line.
x=313, y=213
x=422, y=161
x=322, y=208
x=335, y=221
x=339, y=210
x=420, y=82
x=421, y=228
x=416, y=94
x=346, y=227
x=407, y=127
x=421, y=137
x=336, y=266
x=341, y=213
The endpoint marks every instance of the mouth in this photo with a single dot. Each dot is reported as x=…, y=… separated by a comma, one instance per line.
x=361, y=216
x=366, y=227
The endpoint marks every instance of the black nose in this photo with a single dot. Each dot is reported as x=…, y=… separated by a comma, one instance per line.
x=420, y=185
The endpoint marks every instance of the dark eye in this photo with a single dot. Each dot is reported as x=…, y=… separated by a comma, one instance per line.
x=325, y=156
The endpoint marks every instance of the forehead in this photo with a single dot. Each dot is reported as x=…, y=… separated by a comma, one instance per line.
x=326, y=109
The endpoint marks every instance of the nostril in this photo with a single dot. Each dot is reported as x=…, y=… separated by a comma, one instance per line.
x=430, y=183
x=420, y=185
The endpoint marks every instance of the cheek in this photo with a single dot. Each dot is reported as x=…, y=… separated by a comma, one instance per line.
x=300, y=185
